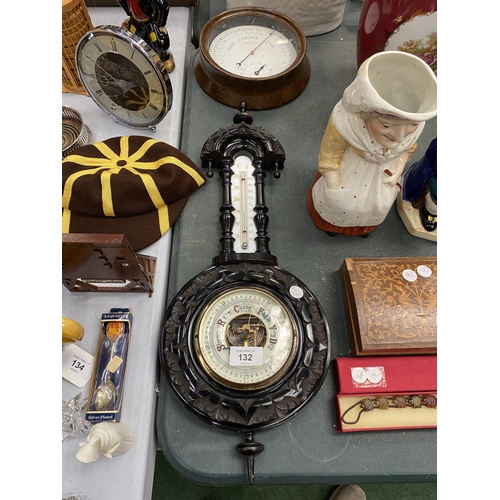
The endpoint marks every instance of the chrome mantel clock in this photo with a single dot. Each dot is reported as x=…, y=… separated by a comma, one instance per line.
x=245, y=345
x=124, y=76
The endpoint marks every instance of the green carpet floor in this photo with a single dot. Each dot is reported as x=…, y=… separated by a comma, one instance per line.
x=170, y=485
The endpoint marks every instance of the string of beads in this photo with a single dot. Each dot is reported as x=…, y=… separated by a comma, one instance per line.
x=386, y=402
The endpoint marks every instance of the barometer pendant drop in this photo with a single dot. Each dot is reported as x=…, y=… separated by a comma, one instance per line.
x=250, y=448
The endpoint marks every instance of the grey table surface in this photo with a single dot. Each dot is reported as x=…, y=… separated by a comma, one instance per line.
x=307, y=449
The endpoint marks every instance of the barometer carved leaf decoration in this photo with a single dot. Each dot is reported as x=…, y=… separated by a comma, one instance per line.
x=184, y=311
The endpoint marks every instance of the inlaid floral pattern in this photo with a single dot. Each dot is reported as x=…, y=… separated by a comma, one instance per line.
x=388, y=311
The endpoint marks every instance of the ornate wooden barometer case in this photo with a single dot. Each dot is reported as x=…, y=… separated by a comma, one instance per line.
x=245, y=344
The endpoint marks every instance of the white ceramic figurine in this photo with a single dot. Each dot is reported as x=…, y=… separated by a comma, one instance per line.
x=314, y=17
x=370, y=136
x=108, y=438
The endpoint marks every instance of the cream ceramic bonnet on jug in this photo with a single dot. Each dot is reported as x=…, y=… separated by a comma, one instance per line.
x=313, y=16
x=394, y=83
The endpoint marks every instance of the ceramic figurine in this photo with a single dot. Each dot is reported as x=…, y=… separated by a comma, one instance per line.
x=417, y=202
x=108, y=438
x=314, y=17
x=370, y=136
x=148, y=20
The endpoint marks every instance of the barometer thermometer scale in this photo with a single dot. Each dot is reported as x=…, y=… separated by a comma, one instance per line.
x=244, y=344
x=243, y=202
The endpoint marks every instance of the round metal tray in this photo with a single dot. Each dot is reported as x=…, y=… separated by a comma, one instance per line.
x=74, y=132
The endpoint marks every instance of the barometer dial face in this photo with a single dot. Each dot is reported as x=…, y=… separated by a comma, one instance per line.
x=253, y=51
x=252, y=54
x=245, y=338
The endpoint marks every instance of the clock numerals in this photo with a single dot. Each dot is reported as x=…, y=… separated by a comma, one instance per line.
x=113, y=45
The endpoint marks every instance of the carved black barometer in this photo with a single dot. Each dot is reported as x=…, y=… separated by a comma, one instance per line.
x=245, y=344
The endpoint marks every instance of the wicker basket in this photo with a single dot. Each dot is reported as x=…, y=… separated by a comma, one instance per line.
x=75, y=23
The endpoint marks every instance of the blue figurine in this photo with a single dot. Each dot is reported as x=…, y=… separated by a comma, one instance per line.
x=419, y=187
x=148, y=20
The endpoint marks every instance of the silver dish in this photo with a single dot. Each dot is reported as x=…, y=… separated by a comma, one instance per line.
x=74, y=132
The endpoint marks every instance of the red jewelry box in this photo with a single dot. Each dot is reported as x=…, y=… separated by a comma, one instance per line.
x=387, y=376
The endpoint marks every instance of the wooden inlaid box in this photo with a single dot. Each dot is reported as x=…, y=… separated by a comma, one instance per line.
x=390, y=305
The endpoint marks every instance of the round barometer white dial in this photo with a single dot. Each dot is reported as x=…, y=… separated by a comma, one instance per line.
x=253, y=51
x=245, y=338
x=253, y=55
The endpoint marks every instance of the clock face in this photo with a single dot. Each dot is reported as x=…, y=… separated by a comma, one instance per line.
x=245, y=338
x=124, y=76
x=254, y=51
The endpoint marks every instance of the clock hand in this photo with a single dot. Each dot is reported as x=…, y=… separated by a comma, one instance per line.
x=253, y=51
x=259, y=70
x=249, y=328
x=121, y=83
